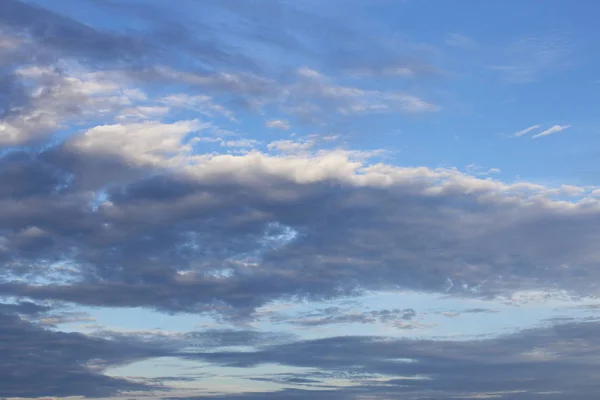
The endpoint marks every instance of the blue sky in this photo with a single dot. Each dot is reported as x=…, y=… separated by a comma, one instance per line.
x=276, y=199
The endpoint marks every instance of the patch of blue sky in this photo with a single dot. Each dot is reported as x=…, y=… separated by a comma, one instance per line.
x=436, y=316
x=138, y=320
x=210, y=377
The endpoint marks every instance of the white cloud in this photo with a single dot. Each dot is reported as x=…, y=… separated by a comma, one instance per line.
x=310, y=73
x=240, y=143
x=278, y=124
x=478, y=170
x=527, y=130
x=551, y=130
x=55, y=97
x=291, y=146
x=147, y=142
x=572, y=190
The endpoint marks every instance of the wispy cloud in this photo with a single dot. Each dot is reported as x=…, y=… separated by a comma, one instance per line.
x=527, y=130
x=551, y=130
x=460, y=41
x=533, y=57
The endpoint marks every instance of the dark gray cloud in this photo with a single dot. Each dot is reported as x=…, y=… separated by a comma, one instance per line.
x=37, y=362
x=23, y=308
x=560, y=359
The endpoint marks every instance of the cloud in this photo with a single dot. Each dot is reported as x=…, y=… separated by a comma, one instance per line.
x=460, y=41
x=52, y=32
x=109, y=199
x=558, y=359
x=65, y=317
x=337, y=315
x=478, y=170
x=527, y=130
x=479, y=311
x=37, y=362
x=314, y=87
x=240, y=143
x=221, y=67
x=292, y=146
x=534, y=57
x=199, y=103
x=146, y=143
x=41, y=101
x=307, y=95
x=517, y=364
x=229, y=233
x=278, y=124
x=551, y=130
x=23, y=308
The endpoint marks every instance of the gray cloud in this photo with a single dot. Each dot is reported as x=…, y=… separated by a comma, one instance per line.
x=38, y=362
x=109, y=218
x=23, y=308
x=557, y=359
x=13, y=94
x=338, y=315
x=560, y=359
x=55, y=35
x=179, y=243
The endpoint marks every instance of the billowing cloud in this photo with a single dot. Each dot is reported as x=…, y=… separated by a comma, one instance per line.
x=243, y=230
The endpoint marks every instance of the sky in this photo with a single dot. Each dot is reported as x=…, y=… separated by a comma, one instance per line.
x=277, y=199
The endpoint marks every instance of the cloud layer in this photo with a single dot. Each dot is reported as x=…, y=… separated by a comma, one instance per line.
x=182, y=169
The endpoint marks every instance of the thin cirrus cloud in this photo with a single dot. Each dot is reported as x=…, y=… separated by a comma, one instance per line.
x=551, y=130
x=527, y=130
